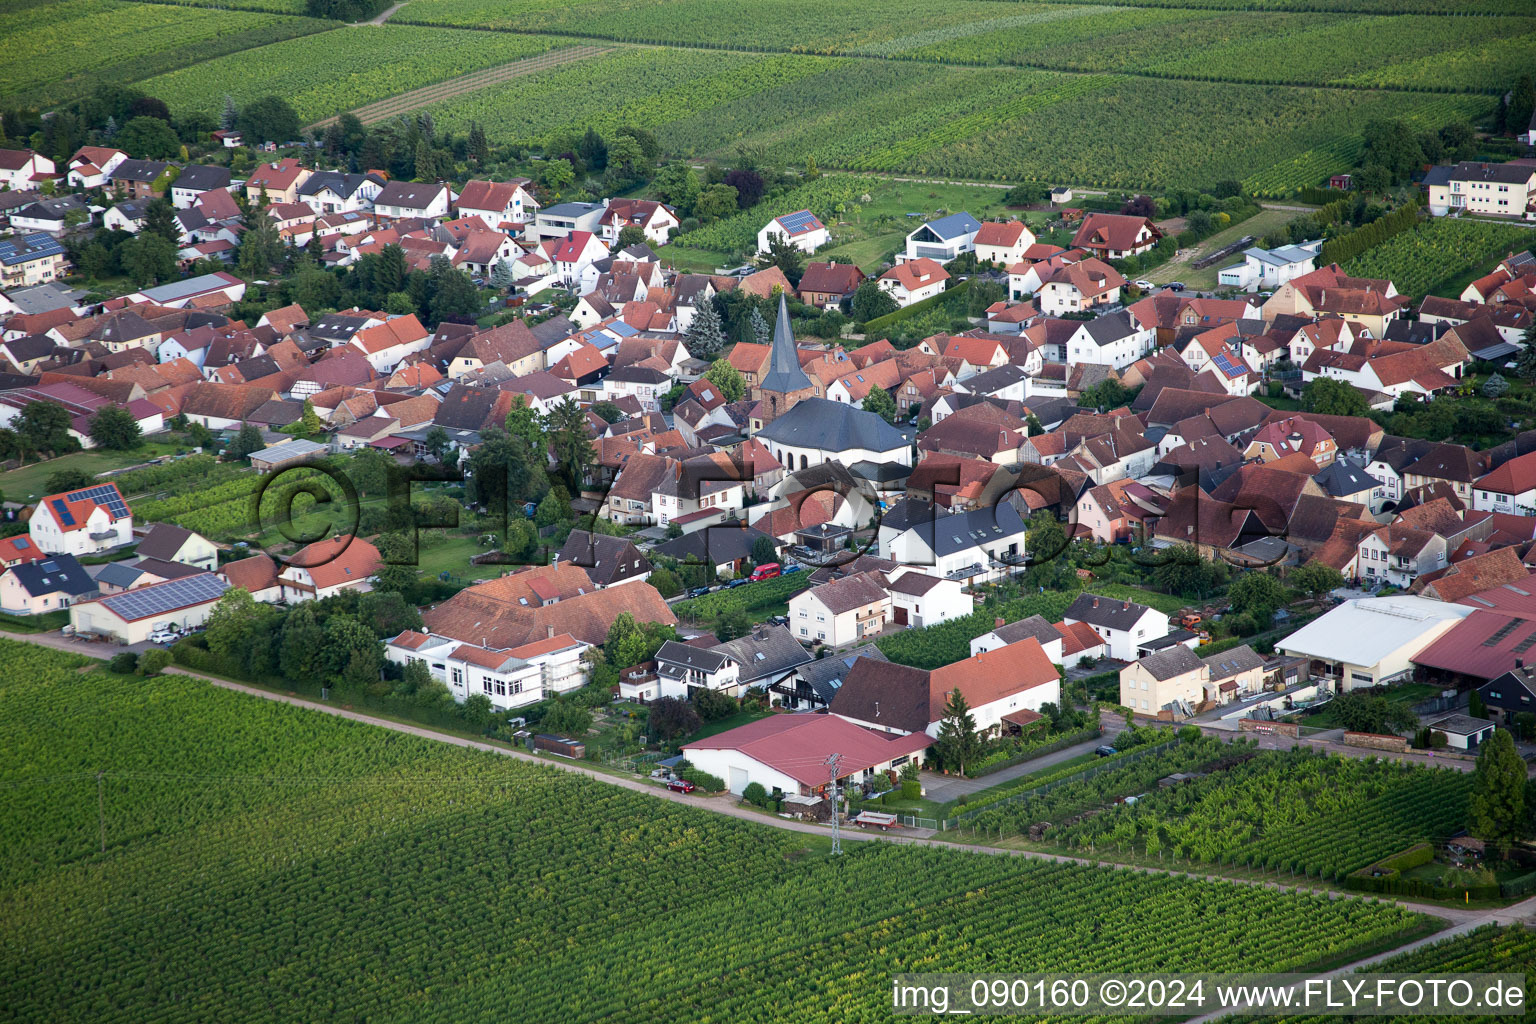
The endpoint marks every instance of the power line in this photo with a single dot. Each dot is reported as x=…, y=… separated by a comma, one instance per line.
x=837, y=839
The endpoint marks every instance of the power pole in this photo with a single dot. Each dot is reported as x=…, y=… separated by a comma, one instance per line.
x=837, y=840
x=101, y=808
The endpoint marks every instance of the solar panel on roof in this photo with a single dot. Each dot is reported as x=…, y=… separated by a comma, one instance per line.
x=66, y=518
x=105, y=495
x=164, y=597
x=798, y=221
x=1226, y=365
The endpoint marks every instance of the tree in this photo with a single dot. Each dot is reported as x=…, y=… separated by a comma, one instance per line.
x=1108, y=393
x=148, y=138
x=154, y=661
x=1331, y=397
x=714, y=705
x=1316, y=578
x=871, y=301
x=344, y=637
x=478, y=146
x=732, y=624
x=309, y=420
x=299, y=653
x=1526, y=365
x=666, y=582
x=608, y=411
x=555, y=508
x=526, y=430
x=160, y=219
x=1027, y=194
x=43, y=427
x=785, y=255
x=228, y=628
x=1257, y=593
x=670, y=718
x=148, y=259
x=748, y=185
x=1393, y=144
x=556, y=175
x=566, y=718
x=269, y=119
x=763, y=551
x=678, y=186
x=231, y=115
x=115, y=427
x=566, y=426
x=1358, y=711
x=704, y=338
x=733, y=387
x=502, y=275
x=1495, y=386
x=957, y=743
x=247, y=441
x=880, y=402
x=625, y=157
x=387, y=613
x=1475, y=706
x=762, y=334
x=438, y=444
x=1139, y=206
x=1522, y=104
x=454, y=295
x=715, y=202
x=1497, y=801
x=261, y=247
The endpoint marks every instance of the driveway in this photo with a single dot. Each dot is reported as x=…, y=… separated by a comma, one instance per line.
x=944, y=788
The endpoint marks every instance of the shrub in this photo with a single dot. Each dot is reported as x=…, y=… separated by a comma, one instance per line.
x=755, y=794
x=705, y=781
x=713, y=705
x=124, y=664
x=153, y=661
x=911, y=789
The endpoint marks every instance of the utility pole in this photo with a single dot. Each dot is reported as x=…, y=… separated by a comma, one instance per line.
x=101, y=808
x=837, y=841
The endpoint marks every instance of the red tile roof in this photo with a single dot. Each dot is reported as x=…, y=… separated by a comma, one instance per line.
x=797, y=745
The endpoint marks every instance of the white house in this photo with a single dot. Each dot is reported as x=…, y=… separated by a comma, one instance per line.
x=787, y=753
x=1075, y=287
x=1371, y=641
x=1003, y=634
x=1267, y=269
x=914, y=281
x=193, y=181
x=498, y=202
x=683, y=671
x=328, y=567
x=386, y=344
x=1124, y=625
x=656, y=220
x=1003, y=242
x=919, y=599
x=941, y=239
x=21, y=169
x=1510, y=488
x=572, y=255
x=335, y=192
x=91, y=166
x=1116, y=340
x=83, y=522
x=972, y=546
x=564, y=218
x=401, y=199
x=131, y=616
x=510, y=678
x=801, y=228
x=841, y=612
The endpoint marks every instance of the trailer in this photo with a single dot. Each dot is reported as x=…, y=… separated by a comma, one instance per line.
x=560, y=745
x=875, y=819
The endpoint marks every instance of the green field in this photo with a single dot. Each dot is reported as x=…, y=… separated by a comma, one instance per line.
x=27, y=483
x=264, y=862
x=1441, y=256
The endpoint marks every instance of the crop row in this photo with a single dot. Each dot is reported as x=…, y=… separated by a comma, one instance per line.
x=1294, y=811
x=266, y=863
x=1439, y=249
x=52, y=57
x=739, y=233
x=326, y=74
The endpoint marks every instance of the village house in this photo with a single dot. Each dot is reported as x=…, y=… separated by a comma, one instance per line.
x=941, y=240
x=914, y=280
x=802, y=229
x=87, y=521
x=1114, y=236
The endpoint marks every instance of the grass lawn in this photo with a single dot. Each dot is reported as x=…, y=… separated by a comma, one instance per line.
x=26, y=483
x=452, y=555
x=1259, y=225
x=729, y=722
x=1165, y=603
x=1406, y=694
x=1282, y=403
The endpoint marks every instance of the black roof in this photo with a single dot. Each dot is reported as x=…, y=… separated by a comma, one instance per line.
x=1109, y=612
x=138, y=170
x=607, y=560
x=714, y=545
x=1035, y=626
x=766, y=651
x=958, y=531
x=56, y=574
x=164, y=540
x=202, y=178
x=832, y=426
x=1343, y=478
x=825, y=676
x=344, y=185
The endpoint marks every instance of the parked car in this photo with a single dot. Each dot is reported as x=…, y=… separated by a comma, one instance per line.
x=680, y=786
x=698, y=591
x=1106, y=751
x=1175, y=286
x=792, y=568
x=780, y=620
x=766, y=571
x=163, y=636
x=1145, y=285
x=737, y=583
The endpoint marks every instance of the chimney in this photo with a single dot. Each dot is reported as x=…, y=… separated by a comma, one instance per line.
x=1126, y=607
x=1095, y=602
x=1519, y=663
x=550, y=632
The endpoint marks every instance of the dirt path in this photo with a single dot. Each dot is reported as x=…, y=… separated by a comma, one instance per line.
x=383, y=17
x=404, y=103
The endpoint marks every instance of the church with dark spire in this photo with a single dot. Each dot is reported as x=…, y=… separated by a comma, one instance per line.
x=786, y=382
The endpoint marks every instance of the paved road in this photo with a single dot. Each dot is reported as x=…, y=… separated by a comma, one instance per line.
x=944, y=788
x=1459, y=919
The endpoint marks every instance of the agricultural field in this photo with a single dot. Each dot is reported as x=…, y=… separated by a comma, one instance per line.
x=265, y=862
x=327, y=74
x=1296, y=811
x=1439, y=251
x=83, y=42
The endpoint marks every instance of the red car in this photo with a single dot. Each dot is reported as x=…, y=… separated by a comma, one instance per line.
x=766, y=571
x=680, y=786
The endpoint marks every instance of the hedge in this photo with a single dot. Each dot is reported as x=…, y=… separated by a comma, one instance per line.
x=880, y=323
x=705, y=781
x=1032, y=751
x=1392, y=881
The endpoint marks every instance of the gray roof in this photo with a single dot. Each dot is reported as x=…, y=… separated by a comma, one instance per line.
x=44, y=298
x=825, y=676
x=191, y=286
x=606, y=559
x=766, y=651
x=958, y=531
x=163, y=540
x=714, y=544
x=995, y=379
x=344, y=185
x=54, y=575
x=1508, y=174
x=409, y=195
x=1230, y=663
x=572, y=210
x=138, y=170
x=1343, y=478
x=1105, y=611
x=202, y=178
x=832, y=426
x=680, y=654
x=298, y=448
x=1106, y=330
x=784, y=371
x=1461, y=725
x=954, y=225
x=118, y=574
x=1173, y=661
x=1035, y=626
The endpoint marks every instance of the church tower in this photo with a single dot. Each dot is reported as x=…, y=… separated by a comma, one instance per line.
x=785, y=383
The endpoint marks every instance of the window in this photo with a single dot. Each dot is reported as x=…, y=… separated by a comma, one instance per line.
x=821, y=636
x=802, y=631
x=516, y=688
x=485, y=683
x=501, y=688
x=458, y=677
